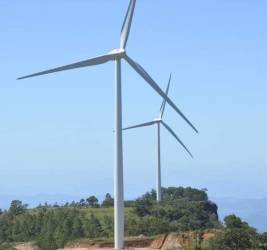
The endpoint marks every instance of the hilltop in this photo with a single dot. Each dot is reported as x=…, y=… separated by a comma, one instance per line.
x=53, y=226
x=185, y=219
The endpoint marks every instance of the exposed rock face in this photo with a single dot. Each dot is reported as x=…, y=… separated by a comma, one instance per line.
x=182, y=240
x=158, y=242
x=171, y=242
x=163, y=242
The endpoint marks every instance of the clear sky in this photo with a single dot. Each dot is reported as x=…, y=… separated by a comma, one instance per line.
x=56, y=130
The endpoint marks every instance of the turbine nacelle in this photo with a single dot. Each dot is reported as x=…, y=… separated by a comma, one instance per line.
x=118, y=53
x=157, y=120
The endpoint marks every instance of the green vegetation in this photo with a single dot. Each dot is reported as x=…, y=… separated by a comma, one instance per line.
x=52, y=226
x=182, y=209
x=236, y=235
x=6, y=246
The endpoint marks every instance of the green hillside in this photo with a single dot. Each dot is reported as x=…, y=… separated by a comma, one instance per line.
x=52, y=226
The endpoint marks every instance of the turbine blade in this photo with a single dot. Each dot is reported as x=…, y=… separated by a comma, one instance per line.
x=177, y=138
x=162, y=109
x=85, y=63
x=138, y=68
x=141, y=125
x=126, y=27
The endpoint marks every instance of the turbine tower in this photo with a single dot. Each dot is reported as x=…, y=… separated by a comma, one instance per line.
x=158, y=122
x=117, y=55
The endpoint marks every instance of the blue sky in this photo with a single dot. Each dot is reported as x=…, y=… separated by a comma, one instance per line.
x=56, y=130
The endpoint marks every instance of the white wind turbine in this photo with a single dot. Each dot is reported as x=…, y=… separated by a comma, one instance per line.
x=159, y=121
x=117, y=55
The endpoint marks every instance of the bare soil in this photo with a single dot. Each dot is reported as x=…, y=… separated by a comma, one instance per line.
x=163, y=242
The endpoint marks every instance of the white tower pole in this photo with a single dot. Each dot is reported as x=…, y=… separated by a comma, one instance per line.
x=118, y=171
x=159, y=167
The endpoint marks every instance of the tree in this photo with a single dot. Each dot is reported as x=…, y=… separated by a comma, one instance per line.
x=262, y=241
x=17, y=232
x=5, y=228
x=77, y=231
x=149, y=196
x=92, y=227
x=17, y=207
x=6, y=246
x=107, y=226
x=237, y=235
x=82, y=203
x=183, y=209
x=108, y=201
x=92, y=202
x=143, y=208
x=173, y=193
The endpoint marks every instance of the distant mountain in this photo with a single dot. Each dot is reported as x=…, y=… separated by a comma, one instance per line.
x=253, y=211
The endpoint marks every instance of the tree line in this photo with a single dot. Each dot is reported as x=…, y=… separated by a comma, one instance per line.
x=235, y=235
x=53, y=226
x=90, y=202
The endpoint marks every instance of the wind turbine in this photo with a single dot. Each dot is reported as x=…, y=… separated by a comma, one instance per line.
x=117, y=55
x=158, y=122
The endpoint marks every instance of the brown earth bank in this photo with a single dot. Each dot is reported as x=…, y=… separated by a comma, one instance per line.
x=27, y=246
x=163, y=242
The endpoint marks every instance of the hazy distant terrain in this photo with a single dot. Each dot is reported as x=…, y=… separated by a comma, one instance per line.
x=254, y=211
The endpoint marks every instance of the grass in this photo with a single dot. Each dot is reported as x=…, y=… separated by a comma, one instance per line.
x=98, y=212
x=102, y=212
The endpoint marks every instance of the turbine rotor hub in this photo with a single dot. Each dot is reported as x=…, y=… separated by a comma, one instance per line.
x=157, y=120
x=119, y=53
